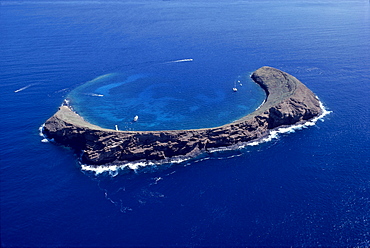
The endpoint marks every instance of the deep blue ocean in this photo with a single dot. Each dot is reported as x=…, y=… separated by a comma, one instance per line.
x=174, y=64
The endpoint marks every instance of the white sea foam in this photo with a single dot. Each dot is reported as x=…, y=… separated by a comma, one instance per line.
x=45, y=139
x=274, y=134
x=113, y=169
x=40, y=130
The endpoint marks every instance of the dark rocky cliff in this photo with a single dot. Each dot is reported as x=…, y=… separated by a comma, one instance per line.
x=288, y=101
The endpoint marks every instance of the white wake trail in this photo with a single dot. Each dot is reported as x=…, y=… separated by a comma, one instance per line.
x=179, y=61
x=23, y=88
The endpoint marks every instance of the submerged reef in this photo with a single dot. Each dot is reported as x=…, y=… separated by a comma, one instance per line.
x=288, y=102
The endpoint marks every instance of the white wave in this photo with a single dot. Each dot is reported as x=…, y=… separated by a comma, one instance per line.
x=45, y=139
x=114, y=168
x=180, y=60
x=100, y=169
x=23, y=88
x=274, y=134
x=41, y=128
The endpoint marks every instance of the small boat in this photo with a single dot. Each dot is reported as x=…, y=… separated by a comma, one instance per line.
x=136, y=118
x=116, y=127
x=235, y=89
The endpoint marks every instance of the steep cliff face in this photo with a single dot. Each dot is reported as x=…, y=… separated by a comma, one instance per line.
x=287, y=102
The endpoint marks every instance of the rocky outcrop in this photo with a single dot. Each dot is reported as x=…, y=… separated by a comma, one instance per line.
x=288, y=102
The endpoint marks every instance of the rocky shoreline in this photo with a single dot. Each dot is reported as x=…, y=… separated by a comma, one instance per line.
x=288, y=102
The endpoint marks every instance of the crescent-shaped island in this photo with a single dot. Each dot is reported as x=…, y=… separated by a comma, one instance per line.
x=288, y=102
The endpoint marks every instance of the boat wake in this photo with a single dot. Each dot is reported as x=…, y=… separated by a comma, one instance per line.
x=116, y=168
x=94, y=94
x=179, y=61
x=23, y=88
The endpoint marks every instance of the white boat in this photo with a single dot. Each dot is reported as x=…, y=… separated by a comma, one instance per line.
x=235, y=89
x=136, y=118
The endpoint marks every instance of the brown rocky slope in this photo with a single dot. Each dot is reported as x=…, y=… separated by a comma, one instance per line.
x=288, y=102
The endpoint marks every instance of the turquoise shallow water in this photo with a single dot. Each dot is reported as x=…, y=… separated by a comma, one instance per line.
x=167, y=97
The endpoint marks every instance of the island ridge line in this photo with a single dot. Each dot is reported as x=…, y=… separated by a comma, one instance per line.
x=288, y=101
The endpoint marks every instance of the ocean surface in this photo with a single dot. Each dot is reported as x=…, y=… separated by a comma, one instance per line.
x=173, y=64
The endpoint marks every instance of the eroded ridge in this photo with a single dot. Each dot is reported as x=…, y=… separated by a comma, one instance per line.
x=288, y=102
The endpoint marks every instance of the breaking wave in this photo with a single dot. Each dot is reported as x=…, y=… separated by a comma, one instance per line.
x=113, y=169
x=45, y=139
x=274, y=134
